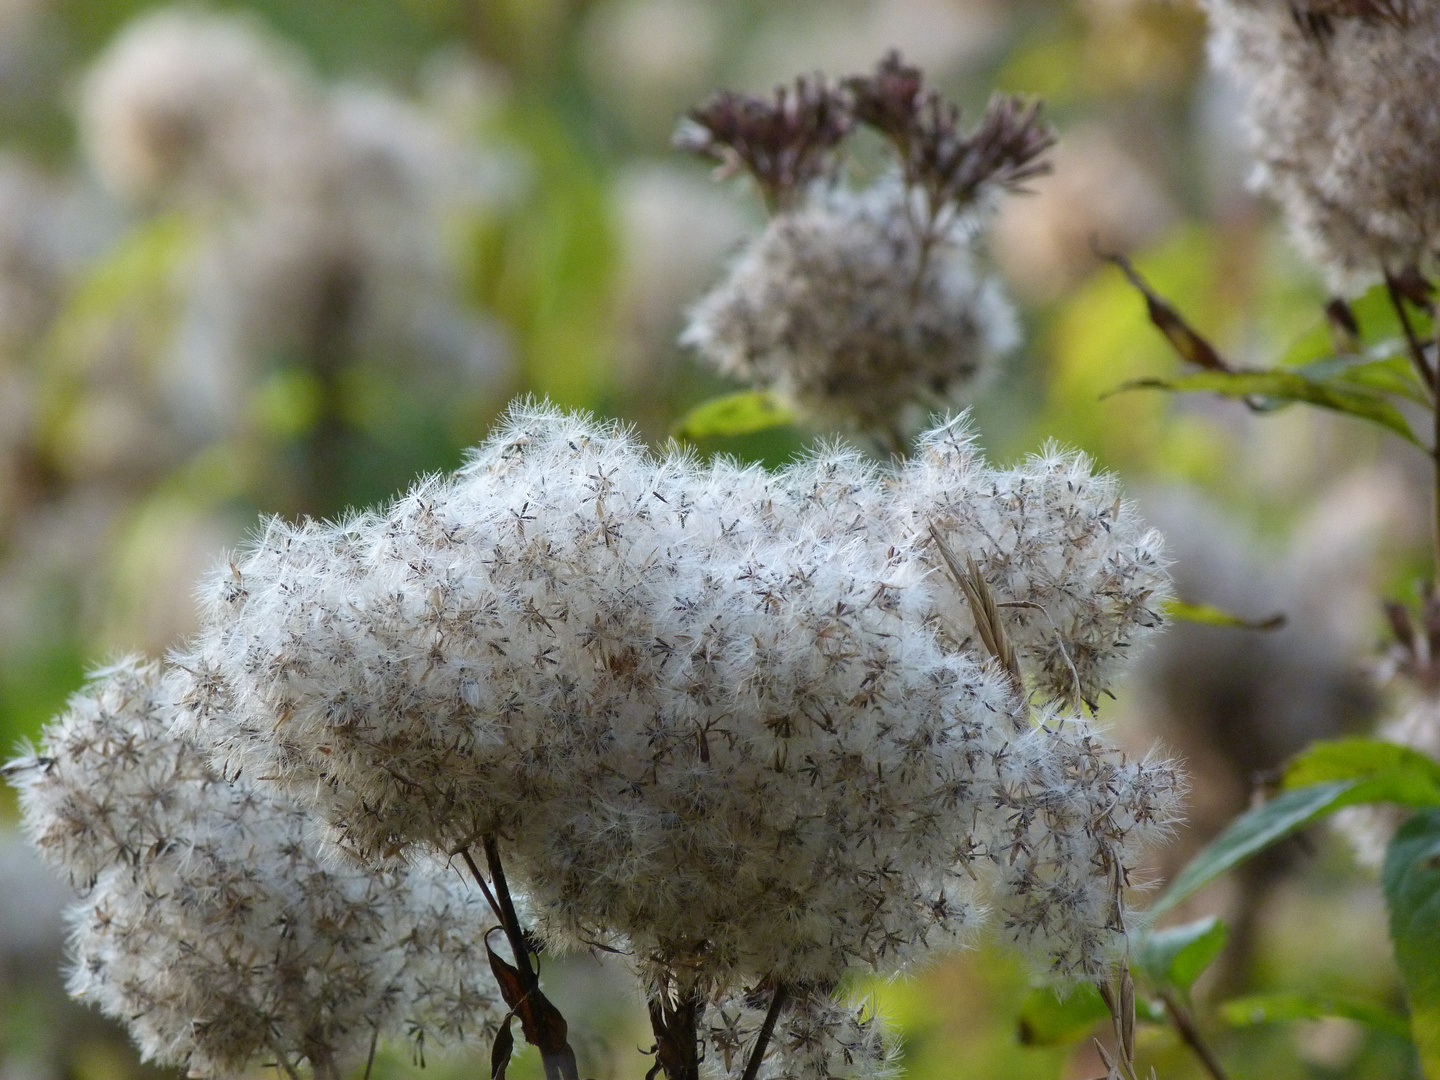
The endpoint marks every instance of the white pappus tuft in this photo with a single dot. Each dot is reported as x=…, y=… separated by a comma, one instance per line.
x=847, y=310
x=211, y=922
x=732, y=719
x=1345, y=122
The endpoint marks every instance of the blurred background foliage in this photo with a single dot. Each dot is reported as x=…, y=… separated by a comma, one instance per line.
x=173, y=364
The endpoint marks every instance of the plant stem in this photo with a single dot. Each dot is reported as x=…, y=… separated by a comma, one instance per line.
x=509, y=921
x=677, y=1034
x=464, y=853
x=543, y=1025
x=1417, y=351
x=1190, y=1034
x=1435, y=459
x=767, y=1029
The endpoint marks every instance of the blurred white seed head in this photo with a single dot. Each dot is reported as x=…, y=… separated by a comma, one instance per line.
x=735, y=719
x=841, y=308
x=308, y=217
x=191, y=104
x=211, y=922
x=1345, y=123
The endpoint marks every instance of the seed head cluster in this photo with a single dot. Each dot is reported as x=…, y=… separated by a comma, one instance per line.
x=736, y=721
x=864, y=309
x=818, y=1037
x=843, y=309
x=210, y=920
x=1343, y=116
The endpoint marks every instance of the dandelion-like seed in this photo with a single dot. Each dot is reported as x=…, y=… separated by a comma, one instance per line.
x=209, y=920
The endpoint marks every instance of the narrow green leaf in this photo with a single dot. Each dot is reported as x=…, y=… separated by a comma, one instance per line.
x=1284, y=386
x=1209, y=615
x=1176, y=955
x=1278, y=1008
x=1252, y=832
x=1411, y=877
x=734, y=414
x=1384, y=369
x=1414, y=777
x=1323, y=779
x=1048, y=1019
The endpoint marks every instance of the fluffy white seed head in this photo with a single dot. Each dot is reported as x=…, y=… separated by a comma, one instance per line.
x=816, y=1037
x=1053, y=538
x=840, y=307
x=728, y=717
x=212, y=923
x=1345, y=122
x=193, y=104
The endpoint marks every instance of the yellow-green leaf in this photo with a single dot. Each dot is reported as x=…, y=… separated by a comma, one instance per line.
x=1209, y=615
x=1413, y=777
x=734, y=414
x=1285, y=386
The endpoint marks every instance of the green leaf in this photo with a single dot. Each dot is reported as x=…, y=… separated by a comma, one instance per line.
x=1285, y=386
x=1209, y=615
x=1385, y=369
x=1176, y=955
x=1280, y=1007
x=734, y=414
x=1412, y=778
x=1251, y=832
x=1048, y=1019
x=1345, y=772
x=1411, y=877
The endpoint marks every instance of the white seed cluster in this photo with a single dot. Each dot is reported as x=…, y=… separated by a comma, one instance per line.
x=1344, y=118
x=212, y=923
x=842, y=309
x=320, y=217
x=736, y=720
x=817, y=1037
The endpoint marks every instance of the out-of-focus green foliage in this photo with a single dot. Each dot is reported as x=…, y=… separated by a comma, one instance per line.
x=1412, y=890
x=550, y=266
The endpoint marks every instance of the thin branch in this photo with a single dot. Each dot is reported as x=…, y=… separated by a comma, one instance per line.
x=370, y=1058
x=767, y=1029
x=1417, y=350
x=508, y=919
x=1191, y=1036
x=464, y=853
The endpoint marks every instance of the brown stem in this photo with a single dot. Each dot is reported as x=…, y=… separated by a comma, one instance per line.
x=509, y=921
x=1191, y=1036
x=1417, y=351
x=677, y=1035
x=327, y=351
x=767, y=1029
x=370, y=1058
x=542, y=1023
x=323, y=1066
x=464, y=853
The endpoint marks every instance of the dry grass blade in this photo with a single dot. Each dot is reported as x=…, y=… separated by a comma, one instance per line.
x=985, y=611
